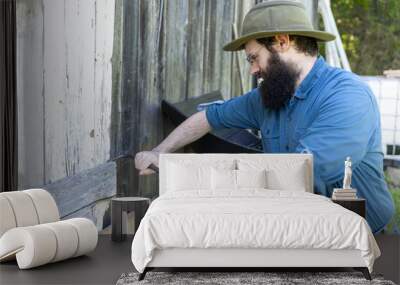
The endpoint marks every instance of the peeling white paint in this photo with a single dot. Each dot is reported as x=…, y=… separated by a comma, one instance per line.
x=64, y=87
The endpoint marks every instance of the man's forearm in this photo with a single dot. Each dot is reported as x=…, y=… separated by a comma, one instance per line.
x=190, y=130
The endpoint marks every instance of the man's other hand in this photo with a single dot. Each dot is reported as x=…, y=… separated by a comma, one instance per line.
x=143, y=160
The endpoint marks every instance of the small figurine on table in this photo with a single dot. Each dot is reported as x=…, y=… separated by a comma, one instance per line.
x=347, y=196
x=346, y=192
x=347, y=173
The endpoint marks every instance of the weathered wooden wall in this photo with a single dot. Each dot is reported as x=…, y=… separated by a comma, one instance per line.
x=86, y=194
x=64, y=87
x=171, y=50
x=92, y=74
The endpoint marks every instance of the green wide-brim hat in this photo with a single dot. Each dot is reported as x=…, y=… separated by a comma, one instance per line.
x=276, y=17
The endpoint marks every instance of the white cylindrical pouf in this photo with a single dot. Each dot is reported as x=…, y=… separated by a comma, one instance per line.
x=33, y=246
x=67, y=240
x=45, y=205
x=23, y=208
x=87, y=234
x=7, y=218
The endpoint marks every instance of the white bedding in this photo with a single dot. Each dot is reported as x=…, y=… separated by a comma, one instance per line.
x=251, y=218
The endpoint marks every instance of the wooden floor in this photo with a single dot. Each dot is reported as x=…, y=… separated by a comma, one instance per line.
x=110, y=260
x=389, y=262
x=103, y=266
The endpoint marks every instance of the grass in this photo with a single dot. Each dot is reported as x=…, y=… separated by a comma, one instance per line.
x=395, y=191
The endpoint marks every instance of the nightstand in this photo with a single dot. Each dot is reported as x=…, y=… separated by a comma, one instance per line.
x=126, y=204
x=355, y=205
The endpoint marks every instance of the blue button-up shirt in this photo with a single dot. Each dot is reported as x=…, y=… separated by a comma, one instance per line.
x=333, y=114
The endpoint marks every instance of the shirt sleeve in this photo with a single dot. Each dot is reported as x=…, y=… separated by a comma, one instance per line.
x=344, y=127
x=241, y=112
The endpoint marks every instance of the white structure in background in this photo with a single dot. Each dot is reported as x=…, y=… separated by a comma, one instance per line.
x=386, y=89
x=335, y=54
x=387, y=92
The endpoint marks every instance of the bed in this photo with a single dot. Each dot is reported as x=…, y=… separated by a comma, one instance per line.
x=245, y=211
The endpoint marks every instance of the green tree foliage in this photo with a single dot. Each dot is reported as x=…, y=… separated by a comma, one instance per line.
x=370, y=31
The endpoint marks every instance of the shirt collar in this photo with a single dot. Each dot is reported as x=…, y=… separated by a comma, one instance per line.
x=311, y=78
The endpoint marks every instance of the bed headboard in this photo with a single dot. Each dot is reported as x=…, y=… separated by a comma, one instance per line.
x=268, y=161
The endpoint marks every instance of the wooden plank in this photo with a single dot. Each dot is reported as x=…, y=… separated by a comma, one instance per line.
x=225, y=62
x=236, y=77
x=176, y=17
x=79, y=100
x=149, y=94
x=64, y=66
x=30, y=90
x=195, y=56
x=216, y=18
x=116, y=92
x=208, y=52
x=130, y=104
x=81, y=190
x=102, y=83
x=125, y=99
x=99, y=212
x=56, y=81
x=129, y=98
x=130, y=101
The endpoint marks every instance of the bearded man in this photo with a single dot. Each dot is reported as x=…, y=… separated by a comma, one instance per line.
x=301, y=106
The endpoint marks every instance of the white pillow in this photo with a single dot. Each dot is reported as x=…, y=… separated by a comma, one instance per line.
x=181, y=177
x=225, y=179
x=251, y=178
x=282, y=173
x=291, y=179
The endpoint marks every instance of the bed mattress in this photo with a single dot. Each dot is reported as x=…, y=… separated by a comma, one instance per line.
x=250, y=219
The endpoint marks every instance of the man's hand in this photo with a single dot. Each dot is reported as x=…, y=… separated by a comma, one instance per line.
x=143, y=160
x=190, y=130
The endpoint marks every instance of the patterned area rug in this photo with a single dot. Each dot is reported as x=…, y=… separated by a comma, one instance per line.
x=242, y=278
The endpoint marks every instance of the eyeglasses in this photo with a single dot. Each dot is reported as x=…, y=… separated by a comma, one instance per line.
x=252, y=57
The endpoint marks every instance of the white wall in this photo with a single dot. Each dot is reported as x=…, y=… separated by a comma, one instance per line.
x=64, y=50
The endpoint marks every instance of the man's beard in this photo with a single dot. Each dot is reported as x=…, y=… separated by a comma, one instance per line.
x=279, y=82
